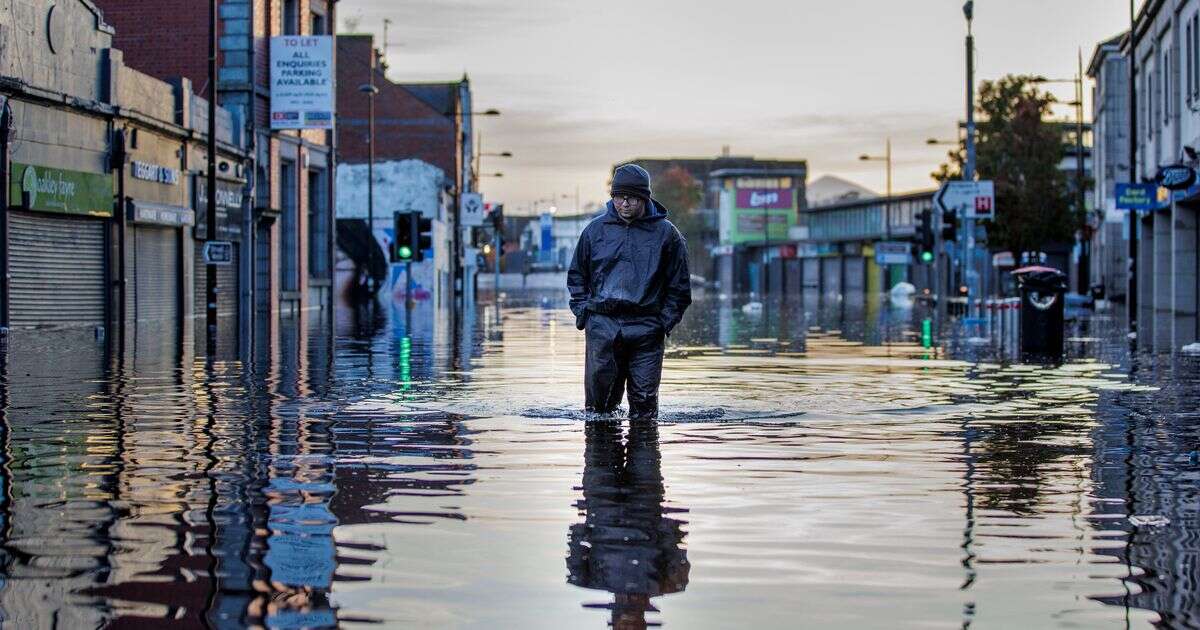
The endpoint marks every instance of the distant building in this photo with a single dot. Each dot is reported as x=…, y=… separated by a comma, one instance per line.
x=420, y=163
x=1110, y=165
x=714, y=175
x=830, y=189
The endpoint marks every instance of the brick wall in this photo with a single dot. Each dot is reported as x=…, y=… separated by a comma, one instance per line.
x=164, y=38
x=405, y=127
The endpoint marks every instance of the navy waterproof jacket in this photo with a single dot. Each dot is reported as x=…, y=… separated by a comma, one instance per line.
x=631, y=269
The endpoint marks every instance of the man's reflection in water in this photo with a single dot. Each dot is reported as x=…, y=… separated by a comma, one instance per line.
x=626, y=544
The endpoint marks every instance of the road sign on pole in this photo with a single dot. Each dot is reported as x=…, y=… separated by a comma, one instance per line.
x=218, y=253
x=472, y=210
x=971, y=200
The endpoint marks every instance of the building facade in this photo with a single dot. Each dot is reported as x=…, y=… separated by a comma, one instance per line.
x=285, y=251
x=710, y=253
x=98, y=222
x=1166, y=49
x=421, y=164
x=1110, y=165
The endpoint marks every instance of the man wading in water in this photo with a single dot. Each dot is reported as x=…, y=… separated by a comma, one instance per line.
x=629, y=287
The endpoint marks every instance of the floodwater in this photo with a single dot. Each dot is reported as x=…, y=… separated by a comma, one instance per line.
x=811, y=469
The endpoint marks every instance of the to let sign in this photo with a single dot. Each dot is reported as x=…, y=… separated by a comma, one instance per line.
x=302, y=82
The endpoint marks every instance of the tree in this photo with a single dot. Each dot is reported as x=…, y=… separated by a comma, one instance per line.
x=682, y=195
x=1020, y=150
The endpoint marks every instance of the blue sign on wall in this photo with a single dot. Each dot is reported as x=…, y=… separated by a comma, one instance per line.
x=1137, y=196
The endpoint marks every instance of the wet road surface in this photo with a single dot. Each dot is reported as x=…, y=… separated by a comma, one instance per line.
x=812, y=469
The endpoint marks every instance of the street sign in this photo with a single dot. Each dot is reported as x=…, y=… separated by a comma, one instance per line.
x=472, y=210
x=893, y=253
x=971, y=200
x=1137, y=196
x=218, y=253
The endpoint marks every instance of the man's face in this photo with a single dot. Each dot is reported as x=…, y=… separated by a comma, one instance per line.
x=628, y=207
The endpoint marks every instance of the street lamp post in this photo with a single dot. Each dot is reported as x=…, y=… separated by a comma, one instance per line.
x=210, y=219
x=887, y=202
x=968, y=234
x=370, y=90
x=458, y=288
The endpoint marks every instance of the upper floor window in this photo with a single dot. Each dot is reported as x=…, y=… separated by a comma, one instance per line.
x=291, y=17
x=318, y=24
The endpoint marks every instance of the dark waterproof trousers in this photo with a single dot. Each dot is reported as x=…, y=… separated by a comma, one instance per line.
x=623, y=353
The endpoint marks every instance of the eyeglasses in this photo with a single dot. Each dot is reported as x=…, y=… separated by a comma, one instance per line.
x=625, y=200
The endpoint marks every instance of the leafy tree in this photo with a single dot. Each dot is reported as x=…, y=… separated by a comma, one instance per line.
x=1020, y=150
x=682, y=194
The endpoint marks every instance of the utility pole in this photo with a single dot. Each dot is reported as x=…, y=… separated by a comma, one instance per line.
x=1081, y=200
x=1131, y=283
x=370, y=90
x=210, y=269
x=967, y=235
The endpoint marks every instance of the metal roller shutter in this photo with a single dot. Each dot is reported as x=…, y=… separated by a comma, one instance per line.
x=228, y=290
x=831, y=275
x=156, y=274
x=855, y=274
x=57, y=266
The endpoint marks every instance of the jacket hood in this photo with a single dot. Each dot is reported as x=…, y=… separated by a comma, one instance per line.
x=655, y=211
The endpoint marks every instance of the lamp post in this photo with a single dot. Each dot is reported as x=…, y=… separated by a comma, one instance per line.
x=458, y=288
x=968, y=233
x=210, y=219
x=887, y=202
x=1131, y=283
x=1077, y=104
x=370, y=90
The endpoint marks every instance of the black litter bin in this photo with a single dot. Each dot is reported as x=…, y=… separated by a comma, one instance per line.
x=1043, y=297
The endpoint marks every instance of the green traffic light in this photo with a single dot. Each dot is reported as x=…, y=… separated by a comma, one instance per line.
x=927, y=257
x=404, y=252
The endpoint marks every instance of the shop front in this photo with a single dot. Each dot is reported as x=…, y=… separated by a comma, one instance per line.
x=230, y=203
x=157, y=226
x=57, y=246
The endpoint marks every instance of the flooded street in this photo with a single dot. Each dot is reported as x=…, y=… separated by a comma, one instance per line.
x=811, y=469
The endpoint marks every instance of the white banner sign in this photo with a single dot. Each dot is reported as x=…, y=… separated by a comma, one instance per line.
x=302, y=82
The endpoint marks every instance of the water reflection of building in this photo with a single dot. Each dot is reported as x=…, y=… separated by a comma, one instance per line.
x=627, y=544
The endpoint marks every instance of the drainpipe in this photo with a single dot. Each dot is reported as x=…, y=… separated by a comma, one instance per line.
x=120, y=210
x=5, y=126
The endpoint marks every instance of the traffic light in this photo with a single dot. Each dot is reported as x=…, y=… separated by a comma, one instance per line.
x=403, y=249
x=424, y=236
x=925, y=236
x=950, y=225
x=497, y=218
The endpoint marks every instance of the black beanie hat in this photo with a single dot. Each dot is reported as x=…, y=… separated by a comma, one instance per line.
x=632, y=180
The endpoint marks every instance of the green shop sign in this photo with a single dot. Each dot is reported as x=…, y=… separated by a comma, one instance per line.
x=58, y=190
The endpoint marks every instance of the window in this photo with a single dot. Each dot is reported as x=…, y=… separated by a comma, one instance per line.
x=1194, y=58
x=1165, y=84
x=318, y=24
x=1187, y=60
x=289, y=276
x=291, y=17
x=318, y=225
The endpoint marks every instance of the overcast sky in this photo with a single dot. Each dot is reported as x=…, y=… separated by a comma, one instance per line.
x=583, y=84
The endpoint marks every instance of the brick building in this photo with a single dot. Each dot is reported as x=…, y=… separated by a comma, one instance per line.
x=422, y=157
x=286, y=255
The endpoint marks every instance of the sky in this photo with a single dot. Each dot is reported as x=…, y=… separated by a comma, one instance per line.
x=582, y=84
